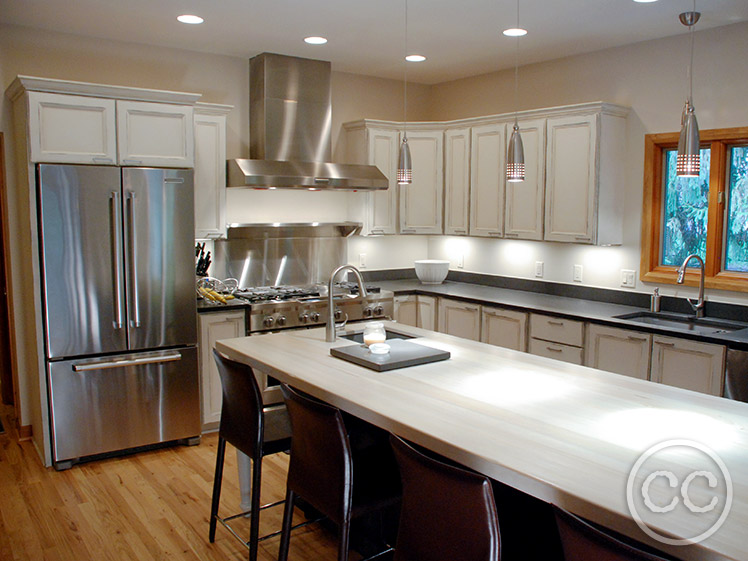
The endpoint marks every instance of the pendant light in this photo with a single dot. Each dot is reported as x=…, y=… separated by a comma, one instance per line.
x=688, y=162
x=404, y=166
x=515, y=158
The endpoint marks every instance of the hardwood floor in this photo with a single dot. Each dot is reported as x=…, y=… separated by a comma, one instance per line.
x=148, y=506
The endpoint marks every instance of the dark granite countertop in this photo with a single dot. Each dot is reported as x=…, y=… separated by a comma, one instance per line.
x=235, y=304
x=561, y=306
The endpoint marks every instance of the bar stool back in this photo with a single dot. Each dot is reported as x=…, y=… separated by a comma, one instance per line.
x=447, y=512
x=242, y=425
x=582, y=541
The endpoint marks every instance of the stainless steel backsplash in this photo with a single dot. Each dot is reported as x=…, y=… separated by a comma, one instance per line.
x=284, y=254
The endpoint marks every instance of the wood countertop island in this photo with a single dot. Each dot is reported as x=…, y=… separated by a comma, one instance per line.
x=566, y=434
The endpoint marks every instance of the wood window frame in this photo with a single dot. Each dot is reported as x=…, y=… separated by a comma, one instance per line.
x=655, y=145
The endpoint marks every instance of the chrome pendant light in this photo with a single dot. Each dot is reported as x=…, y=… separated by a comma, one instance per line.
x=688, y=162
x=404, y=166
x=515, y=158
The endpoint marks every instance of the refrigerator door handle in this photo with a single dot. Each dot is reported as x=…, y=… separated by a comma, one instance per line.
x=117, y=265
x=132, y=246
x=171, y=357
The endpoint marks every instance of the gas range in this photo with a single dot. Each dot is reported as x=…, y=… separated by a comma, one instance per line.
x=286, y=307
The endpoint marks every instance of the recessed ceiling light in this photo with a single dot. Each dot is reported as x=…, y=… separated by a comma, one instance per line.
x=189, y=18
x=515, y=32
x=415, y=58
x=315, y=40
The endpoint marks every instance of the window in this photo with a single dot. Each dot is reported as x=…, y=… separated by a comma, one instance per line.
x=705, y=215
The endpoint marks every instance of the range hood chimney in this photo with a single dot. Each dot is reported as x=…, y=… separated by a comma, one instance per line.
x=290, y=123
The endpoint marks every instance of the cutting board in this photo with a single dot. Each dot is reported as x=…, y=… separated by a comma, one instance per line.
x=402, y=354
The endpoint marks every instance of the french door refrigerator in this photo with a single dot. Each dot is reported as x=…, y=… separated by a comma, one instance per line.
x=117, y=260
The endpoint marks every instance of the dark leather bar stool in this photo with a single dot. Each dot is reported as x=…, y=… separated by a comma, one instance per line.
x=242, y=425
x=447, y=512
x=323, y=471
x=584, y=542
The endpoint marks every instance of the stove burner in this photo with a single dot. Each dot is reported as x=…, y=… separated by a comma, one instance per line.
x=279, y=293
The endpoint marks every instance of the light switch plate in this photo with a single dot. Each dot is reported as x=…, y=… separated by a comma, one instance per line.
x=362, y=260
x=577, y=273
x=628, y=278
x=539, y=269
x=461, y=261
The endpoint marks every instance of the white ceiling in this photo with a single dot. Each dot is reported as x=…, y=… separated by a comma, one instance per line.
x=460, y=38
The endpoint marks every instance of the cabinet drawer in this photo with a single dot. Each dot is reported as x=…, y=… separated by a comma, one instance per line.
x=566, y=353
x=566, y=331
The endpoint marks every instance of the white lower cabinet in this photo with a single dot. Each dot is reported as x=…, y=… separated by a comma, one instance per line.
x=213, y=327
x=416, y=310
x=621, y=351
x=688, y=364
x=552, y=337
x=504, y=328
x=459, y=318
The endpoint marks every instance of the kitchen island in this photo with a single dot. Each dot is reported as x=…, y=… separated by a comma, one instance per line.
x=565, y=434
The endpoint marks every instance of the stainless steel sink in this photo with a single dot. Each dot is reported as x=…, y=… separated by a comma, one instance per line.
x=706, y=326
x=358, y=336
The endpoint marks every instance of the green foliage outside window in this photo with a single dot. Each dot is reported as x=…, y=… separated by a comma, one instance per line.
x=736, y=235
x=686, y=211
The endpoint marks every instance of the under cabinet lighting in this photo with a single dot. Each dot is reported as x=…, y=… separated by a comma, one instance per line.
x=415, y=58
x=191, y=19
x=515, y=32
x=315, y=40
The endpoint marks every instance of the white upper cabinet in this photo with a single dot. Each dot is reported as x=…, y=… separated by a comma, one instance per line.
x=523, y=212
x=366, y=144
x=210, y=170
x=584, y=178
x=421, y=202
x=71, y=129
x=456, y=181
x=155, y=134
x=487, y=173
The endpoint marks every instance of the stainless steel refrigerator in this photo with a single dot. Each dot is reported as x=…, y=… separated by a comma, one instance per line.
x=119, y=307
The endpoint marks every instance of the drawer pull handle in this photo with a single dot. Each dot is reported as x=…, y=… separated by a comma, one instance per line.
x=641, y=339
x=663, y=344
x=582, y=238
x=555, y=349
x=552, y=322
x=511, y=234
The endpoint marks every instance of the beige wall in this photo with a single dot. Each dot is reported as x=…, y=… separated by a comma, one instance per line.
x=650, y=78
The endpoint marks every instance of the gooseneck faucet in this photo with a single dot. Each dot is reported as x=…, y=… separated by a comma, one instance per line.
x=697, y=305
x=330, y=327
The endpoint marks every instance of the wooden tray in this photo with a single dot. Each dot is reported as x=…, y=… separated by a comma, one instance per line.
x=402, y=354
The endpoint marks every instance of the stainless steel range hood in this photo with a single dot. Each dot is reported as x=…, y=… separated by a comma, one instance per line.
x=290, y=123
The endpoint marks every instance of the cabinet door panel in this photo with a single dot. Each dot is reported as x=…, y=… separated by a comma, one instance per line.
x=504, y=328
x=457, y=181
x=406, y=310
x=688, y=364
x=549, y=328
x=487, y=174
x=557, y=351
x=618, y=350
x=71, y=129
x=213, y=327
x=525, y=200
x=427, y=312
x=571, y=180
x=421, y=202
x=383, y=153
x=155, y=134
x=459, y=319
x=210, y=176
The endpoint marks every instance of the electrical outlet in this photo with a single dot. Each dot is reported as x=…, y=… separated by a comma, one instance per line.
x=362, y=261
x=577, y=273
x=628, y=278
x=461, y=261
x=539, y=269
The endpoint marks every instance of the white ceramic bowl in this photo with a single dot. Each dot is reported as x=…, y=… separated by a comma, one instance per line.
x=431, y=271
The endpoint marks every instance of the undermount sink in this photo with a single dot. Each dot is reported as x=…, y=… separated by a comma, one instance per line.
x=706, y=326
x=358, y=336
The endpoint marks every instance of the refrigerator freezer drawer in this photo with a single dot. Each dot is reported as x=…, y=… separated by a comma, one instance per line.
x=113, y=403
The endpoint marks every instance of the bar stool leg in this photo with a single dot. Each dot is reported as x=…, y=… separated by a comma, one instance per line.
x=220, y=452
x=345, y=531
x=254, y=523
x=286, y=531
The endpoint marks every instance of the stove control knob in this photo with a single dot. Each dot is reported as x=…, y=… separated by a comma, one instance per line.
x=368, y=312
x=338, y=314
x=378, y=311
x=268, y=321
x=315, y=317
x=304, y=318
x=281, y=321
